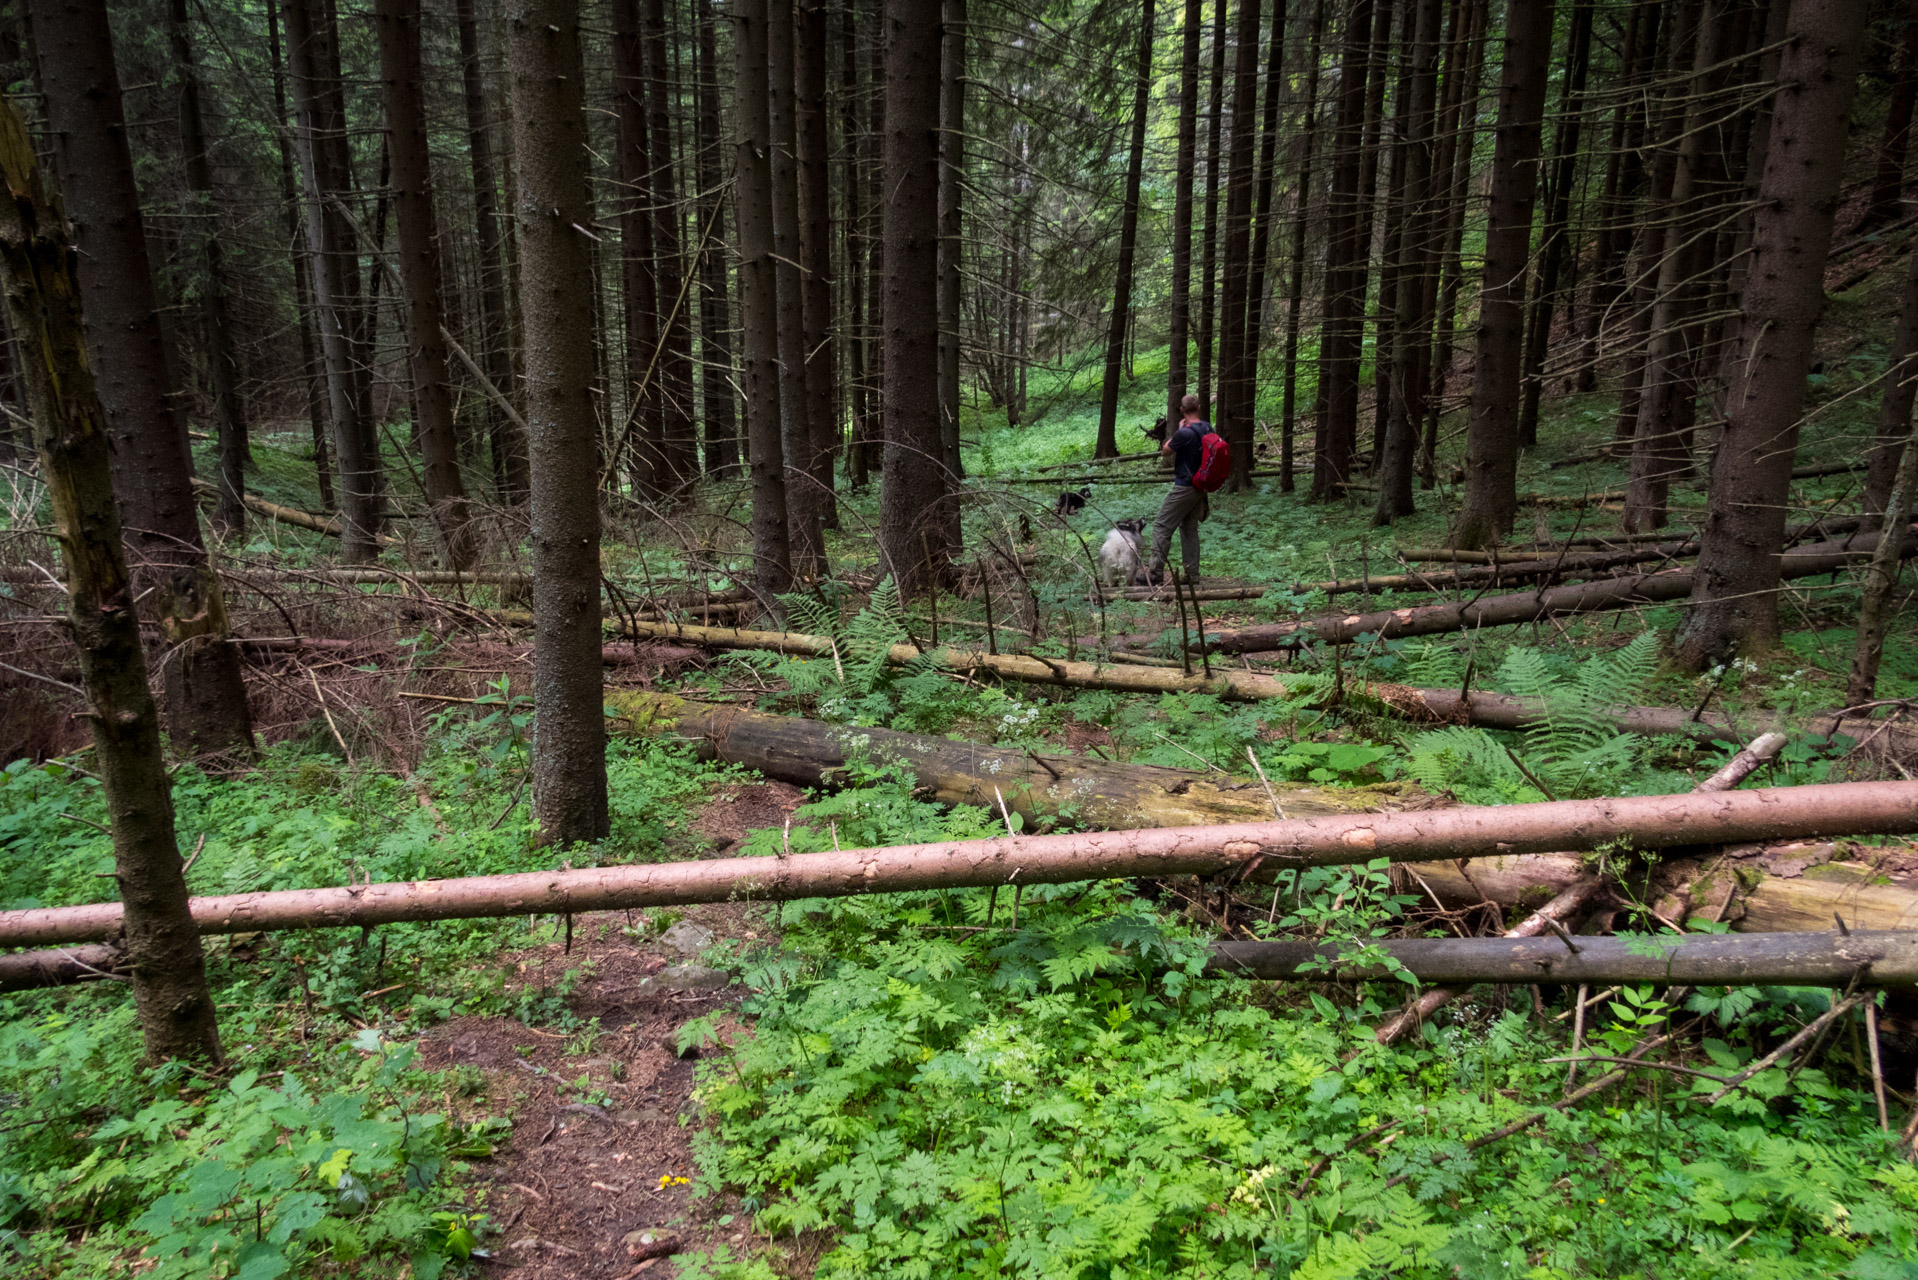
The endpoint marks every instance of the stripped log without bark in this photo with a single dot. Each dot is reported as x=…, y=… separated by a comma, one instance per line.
x=1572, y=902
x=1247, y=850
x=1829, y=959
x=1525, y=606
x=1434, y=706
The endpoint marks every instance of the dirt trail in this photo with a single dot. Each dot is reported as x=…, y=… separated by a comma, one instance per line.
x=592, y=1164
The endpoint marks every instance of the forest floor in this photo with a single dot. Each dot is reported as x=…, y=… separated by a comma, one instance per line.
x=917, y=1084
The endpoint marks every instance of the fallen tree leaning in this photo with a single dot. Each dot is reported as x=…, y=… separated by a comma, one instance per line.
x=1828, y=959
x=1435, y=706
x=1243, y=850
x=1522, y=606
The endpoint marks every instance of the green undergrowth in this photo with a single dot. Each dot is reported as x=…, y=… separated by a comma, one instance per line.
x=324, y=1149
x=979, y=1083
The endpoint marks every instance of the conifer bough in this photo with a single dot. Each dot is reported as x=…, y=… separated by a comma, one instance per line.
x=1237, y=849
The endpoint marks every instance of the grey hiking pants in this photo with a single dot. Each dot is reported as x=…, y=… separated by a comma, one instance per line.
x=1183, y=508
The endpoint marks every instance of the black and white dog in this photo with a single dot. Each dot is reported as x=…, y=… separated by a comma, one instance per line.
x=1119, y=558
x=1071, y=502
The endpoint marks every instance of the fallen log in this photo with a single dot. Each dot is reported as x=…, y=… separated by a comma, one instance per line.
x=273, y=510
x=1043, y=787
x=1493, y=573
x=1521, y=607
x=1573, y=901
x=1130, y=673
x=1246, y=850
x=1829, y=959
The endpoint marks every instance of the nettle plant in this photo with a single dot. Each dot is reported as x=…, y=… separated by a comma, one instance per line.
x=249, y=1180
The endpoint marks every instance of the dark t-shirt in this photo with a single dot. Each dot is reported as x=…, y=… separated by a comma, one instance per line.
x=1188, y=450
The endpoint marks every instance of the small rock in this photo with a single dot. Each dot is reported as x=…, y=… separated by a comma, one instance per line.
x=691, y=1112
x=687, y=938
x=690, y=977
x=650, y=1242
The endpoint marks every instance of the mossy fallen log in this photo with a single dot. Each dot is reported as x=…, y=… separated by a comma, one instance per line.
x=1045, y=787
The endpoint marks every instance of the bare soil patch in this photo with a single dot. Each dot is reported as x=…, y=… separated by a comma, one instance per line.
x=601, y=1146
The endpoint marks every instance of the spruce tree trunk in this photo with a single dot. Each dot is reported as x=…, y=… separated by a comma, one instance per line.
x=1301, y=219
x=1180, y=320
x=1571, y=106
x=1208, y=257
x=679, y=438
x=223, y=369
x=1888, y=183
x=805, y=504
x=397, y=23
x=1491, y=469
x=1107, y=443
x=1661, y=139
x=1735, y=603
x=1263, y=206
x=639, y=278
x=911, y=513
x=556, y=302
x=1417, y=269
x=1875, y=588
x=1235, y=374
x=1894, y=407
x=715, y=303
x=506, y=441
x=73, y=437
x=952, y=175
x=152, y=471
x=815, y=244
x=1661, y=445
x=758, y=302
x=1624, y=173
x=333, y=274
x=313, y=376
x=1459, y=141
x=1341, y=324
x=854, y=146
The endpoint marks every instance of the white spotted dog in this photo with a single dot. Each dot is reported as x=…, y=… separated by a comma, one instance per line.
x=1119, y=558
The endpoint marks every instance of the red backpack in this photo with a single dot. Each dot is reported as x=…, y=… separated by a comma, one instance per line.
x=1215, y=463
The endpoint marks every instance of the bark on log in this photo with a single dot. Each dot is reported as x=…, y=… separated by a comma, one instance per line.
x=1521, y=607
x=61, y=967
x=1432, y=706
x=1255, y=849
x=1829, y=959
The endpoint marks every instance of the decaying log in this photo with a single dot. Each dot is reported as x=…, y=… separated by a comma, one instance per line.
x=1044, y=787
x=1243, y=850
x=1524, y=606
x=1827, y=959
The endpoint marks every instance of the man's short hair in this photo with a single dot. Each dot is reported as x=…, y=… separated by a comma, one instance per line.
x=1189, y=405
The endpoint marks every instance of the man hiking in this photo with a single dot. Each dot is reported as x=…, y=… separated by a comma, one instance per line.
x=1185, y=503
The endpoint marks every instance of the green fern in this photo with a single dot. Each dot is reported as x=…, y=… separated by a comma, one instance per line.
x=1573, y=750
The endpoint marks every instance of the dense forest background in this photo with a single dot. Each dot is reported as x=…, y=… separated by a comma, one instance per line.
x=578, y=692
